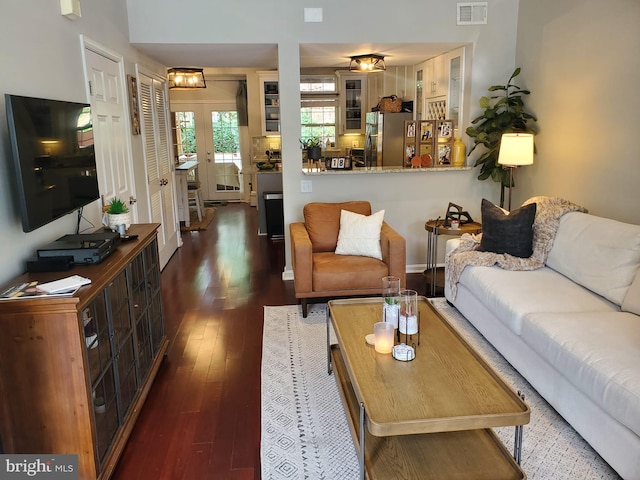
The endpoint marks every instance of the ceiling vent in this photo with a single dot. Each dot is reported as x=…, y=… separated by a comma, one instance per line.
x=474, y=13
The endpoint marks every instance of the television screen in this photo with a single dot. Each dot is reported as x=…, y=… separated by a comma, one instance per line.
x=54, y=157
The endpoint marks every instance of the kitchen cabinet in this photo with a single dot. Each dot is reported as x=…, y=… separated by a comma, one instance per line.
x=76, y=370
x=436, y=77
x=455, y=91
x=353, y=96
x=269, y=103
x=442, y=87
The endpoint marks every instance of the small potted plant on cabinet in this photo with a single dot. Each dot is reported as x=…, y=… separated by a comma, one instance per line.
x=313, y=146
x=99, y=405
x=117, y=213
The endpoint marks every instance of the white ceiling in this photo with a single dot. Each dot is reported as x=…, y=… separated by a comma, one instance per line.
x=266, y=55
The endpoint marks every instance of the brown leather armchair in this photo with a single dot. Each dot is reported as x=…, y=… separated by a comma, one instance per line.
x=319, y=272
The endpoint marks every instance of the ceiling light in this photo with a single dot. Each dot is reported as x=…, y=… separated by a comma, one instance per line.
x=180, y=77
x=367, y=63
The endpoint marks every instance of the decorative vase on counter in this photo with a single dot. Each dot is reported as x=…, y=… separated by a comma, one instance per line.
x=459, y=152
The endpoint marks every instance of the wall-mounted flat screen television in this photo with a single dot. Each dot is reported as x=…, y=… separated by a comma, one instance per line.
x=53, y=157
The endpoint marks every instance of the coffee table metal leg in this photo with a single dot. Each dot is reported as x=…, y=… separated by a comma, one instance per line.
x=517, y=444
x=517, y=441
x=328, y=342
x=432, y=251
x=361, y=455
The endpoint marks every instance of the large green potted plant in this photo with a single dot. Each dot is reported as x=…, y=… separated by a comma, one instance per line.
x=313, y=146
x=503, y=113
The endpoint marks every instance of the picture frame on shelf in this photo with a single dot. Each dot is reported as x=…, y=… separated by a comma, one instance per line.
x=409, y=153
x=445, y=130
x=426, y=148
x=426, y=130
x=410, y=130
x=444, y=154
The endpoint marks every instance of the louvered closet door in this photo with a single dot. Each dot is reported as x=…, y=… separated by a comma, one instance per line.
x=160, y=178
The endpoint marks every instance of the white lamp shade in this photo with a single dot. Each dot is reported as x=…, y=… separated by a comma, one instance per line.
x=516, y=149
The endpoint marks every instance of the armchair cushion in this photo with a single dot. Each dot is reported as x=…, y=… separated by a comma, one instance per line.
x=322, y=221
x=360, y=234
x=332, y=272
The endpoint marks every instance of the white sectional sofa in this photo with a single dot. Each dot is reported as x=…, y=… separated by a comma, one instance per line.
x=572, y=329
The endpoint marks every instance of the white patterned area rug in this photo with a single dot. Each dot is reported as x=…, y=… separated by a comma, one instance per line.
x=304, y=429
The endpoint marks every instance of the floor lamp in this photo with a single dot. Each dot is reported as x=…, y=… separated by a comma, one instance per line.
x=516, y=149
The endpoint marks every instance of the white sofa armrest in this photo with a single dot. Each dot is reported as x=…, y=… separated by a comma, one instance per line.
x=451, y=245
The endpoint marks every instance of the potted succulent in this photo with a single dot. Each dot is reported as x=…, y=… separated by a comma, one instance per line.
x=99, y=405
x=117, y=213
x=313, y=146
x=503, y=113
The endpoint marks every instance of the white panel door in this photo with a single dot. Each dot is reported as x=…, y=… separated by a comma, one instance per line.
x=108, y=102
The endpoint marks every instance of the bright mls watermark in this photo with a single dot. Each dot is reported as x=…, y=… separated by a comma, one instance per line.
x=41, y=467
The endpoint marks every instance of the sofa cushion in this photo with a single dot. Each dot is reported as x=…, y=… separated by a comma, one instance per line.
x=513, y=294
x=333, y=272
x=322, y=221
x=360, y=234
x=599, y=353
x=507, y=232
x=631, y=301
x=599, y=253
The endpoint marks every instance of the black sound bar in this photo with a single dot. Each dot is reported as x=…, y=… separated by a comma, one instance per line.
x=49, y=264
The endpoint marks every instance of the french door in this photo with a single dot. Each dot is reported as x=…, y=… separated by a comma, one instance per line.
x=209, y=133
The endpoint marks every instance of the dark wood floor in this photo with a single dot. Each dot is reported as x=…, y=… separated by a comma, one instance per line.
x=202, y=417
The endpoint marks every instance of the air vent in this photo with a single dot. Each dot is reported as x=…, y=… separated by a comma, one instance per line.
x=474, y=13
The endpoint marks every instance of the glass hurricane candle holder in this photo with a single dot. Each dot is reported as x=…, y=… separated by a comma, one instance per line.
x=409, y=319
x=391, y=302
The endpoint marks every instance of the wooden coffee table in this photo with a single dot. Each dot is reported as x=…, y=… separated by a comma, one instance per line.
x=429, y=418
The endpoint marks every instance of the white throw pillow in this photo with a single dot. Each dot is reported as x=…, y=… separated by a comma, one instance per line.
x=360, y=234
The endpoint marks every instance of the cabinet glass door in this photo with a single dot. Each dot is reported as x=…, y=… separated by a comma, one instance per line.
x=100, y=359
x=271, y=107
x=141, y=316
x=123, y=342
x=353, y=105
x=154, y=294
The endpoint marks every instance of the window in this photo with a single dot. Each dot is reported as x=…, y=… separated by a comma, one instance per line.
x=318, y=108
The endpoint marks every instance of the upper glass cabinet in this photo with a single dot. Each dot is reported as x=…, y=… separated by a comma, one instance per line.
x=270, y=103
x=352, y=108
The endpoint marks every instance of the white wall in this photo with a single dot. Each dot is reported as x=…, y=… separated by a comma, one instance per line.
x=42, y=57
x=581, y=62
x=409, y=200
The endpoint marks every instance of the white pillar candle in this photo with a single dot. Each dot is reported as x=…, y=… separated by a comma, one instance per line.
x=408, y=325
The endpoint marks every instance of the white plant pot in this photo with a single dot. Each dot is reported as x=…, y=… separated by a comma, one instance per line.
x=113, y=220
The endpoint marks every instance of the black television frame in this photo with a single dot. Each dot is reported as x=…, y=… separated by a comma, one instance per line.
x=53, y=181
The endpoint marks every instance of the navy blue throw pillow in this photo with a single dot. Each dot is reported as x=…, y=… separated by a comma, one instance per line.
x=510, y=233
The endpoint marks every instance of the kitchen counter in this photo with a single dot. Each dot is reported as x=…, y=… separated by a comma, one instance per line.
x=380, y=170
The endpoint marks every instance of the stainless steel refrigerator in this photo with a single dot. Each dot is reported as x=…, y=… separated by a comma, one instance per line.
x=384, y=136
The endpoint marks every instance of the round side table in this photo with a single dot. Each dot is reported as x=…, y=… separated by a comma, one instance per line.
x=435, y=228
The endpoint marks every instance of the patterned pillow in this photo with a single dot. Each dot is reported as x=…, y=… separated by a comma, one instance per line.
x=507, y=232
x=360, y=234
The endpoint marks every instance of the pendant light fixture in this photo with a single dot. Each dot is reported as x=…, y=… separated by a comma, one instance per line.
x=180, y=77
x=367, y=63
